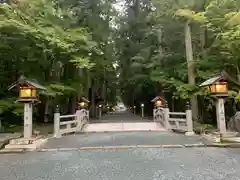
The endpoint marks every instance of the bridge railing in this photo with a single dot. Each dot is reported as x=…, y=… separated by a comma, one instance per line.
x=174, y=120
x=64, y=124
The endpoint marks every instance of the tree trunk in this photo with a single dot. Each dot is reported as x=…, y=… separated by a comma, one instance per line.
x=73, y=103
x=191, y=75
x=46, y=109
x=1, y=127
x=93, y=106
x=160, y=41
x=103, y=87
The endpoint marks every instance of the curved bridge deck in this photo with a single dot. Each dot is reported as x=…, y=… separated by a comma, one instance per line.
x=122, y=121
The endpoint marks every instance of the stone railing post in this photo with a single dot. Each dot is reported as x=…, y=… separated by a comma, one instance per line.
x=79, y=119
x=166, y=117
x=154, y=110
x=57, y=123
x=87, y=111
x=189, y=120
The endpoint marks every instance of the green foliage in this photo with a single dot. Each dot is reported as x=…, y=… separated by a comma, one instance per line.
x=10, y=106
x=47, y=41
x=152, y=55
x=201, y=128
x=72, y=46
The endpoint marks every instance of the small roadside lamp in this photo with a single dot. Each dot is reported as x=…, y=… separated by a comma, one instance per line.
x=142, y=109
x=134, y=109
x=100, y=111
x=27, y=95
x=218, y=87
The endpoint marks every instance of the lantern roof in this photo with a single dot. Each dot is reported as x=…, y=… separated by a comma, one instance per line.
x=23, y=81
x=212, y=80
x=157, y=98
x=85, y=99
x=223, y=76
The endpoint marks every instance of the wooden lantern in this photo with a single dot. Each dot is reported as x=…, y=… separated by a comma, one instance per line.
x=159, y=101
x=27, y=92
x=216, y=86
x=83, y=103
x=27, y=89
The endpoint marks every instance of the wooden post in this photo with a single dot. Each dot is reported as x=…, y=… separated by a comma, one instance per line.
x=189, y=121
x=57, y=123
x=166, y=117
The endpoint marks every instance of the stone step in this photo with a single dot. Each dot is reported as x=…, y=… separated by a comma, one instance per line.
x=24, y=141
x=3, y=151
x=230, y=134
x=34, y=145
x=232, y=139
x=17, y=146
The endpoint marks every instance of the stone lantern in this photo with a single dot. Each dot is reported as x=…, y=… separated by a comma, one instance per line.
x=27, y=95
x=159, y=101
x=83, y=104
x=218, y=87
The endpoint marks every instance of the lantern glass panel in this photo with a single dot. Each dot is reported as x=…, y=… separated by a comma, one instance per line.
x=34, y=92
x=158, y=102
x=221, y=88
x=212, y=88
x=25, y=92
x=82, y=104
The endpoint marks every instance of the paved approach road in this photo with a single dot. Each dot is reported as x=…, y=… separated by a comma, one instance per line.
x=121, y=116
x=131, y=164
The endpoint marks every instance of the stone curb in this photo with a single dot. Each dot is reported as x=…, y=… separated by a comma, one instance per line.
x=15, y=151
x=216, y=145
x=123, y=147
